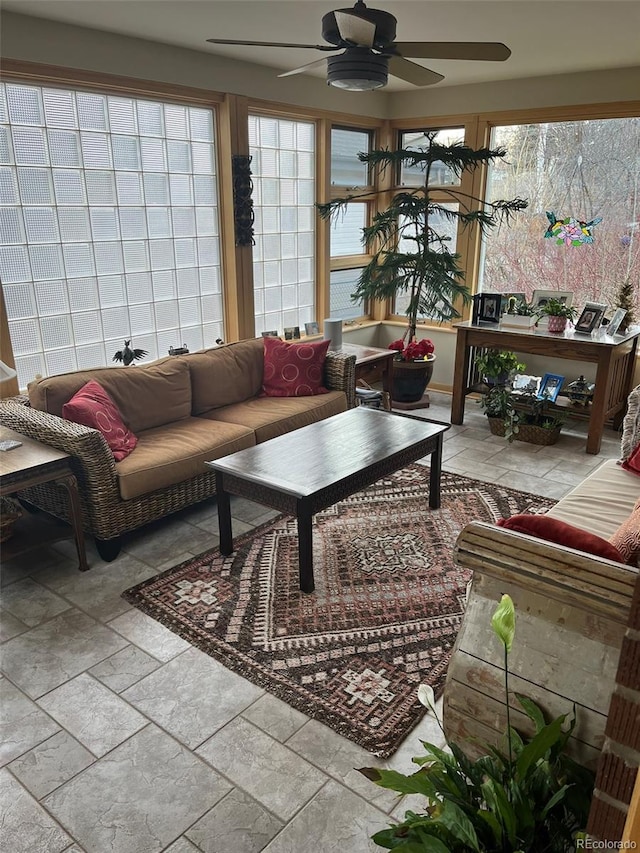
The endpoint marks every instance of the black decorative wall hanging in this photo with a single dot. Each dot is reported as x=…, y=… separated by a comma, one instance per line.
x=243, y=213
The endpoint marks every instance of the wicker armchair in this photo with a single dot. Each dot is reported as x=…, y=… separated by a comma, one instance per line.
x=105, y=515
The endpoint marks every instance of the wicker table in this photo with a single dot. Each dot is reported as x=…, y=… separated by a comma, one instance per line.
x=307, y=470
x=34, y=463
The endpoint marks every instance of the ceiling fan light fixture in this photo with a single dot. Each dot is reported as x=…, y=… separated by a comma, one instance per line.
x=357, y=70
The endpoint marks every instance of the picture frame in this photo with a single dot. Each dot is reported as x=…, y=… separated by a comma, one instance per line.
x=590, y=317
x=291, y=333
x=505, y=297
x=489, y=307
x=271, y=334
x=523, y=384
x=311, y=328
x=541, y=297
x=550, y=387
x=614, y=323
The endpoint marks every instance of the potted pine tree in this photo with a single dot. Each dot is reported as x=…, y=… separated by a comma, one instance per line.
x=409, y=256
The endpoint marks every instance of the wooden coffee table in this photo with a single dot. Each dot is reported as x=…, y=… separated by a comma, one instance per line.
x=307, y=470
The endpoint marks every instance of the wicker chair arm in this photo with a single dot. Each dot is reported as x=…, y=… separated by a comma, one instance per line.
x=340, y=375
x=92, y=461
x=631, y=425
x=571, y=577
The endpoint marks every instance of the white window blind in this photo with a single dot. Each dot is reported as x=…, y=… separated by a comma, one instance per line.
x=109, y=224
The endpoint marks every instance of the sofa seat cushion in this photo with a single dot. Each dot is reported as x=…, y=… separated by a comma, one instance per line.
x=175, y=452
x=273, y=416
x=601, y=502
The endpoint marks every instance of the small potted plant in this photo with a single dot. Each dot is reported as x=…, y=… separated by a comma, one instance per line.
x=496, y=366
x=520, y=314
x=408, y=386
x=558, y=313
x=529, y=418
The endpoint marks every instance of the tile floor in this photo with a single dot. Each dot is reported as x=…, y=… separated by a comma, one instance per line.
x=119, y=737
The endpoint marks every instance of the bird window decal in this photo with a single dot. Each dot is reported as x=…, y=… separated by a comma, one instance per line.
x=127, y=355
x=570, y=231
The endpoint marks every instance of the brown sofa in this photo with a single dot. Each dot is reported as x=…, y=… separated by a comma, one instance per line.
x=184, y=410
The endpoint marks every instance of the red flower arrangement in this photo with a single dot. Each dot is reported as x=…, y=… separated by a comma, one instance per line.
x=414, y=350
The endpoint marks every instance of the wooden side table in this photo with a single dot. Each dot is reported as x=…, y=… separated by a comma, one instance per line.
x=372, y=364
x=34, y=463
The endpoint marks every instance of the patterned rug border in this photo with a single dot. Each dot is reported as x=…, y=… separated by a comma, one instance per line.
x=273, y=682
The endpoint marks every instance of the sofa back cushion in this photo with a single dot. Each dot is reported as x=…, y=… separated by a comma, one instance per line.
x=146, y=397
x=225, y=375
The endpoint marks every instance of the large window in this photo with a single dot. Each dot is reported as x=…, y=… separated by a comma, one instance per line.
x=282, y=165
x=346, y=242
x=581, y=169
x=109, y=227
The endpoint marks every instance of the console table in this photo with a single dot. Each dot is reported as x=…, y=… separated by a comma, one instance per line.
x=372, y=364
x=614, y=357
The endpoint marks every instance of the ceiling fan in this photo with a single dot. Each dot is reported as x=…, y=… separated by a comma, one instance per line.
x=368, y=52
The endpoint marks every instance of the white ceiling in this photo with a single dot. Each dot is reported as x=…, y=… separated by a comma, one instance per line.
x=546, y=37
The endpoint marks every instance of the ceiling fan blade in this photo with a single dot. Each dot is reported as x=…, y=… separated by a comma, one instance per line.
x=412, y=72
x=272, y=44
x=493, y=51
x=354, y=29
x=303, y=68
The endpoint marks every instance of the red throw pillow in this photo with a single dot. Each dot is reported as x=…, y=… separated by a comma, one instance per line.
x=633, y=462
x=93, y=407
x=561, y=533
x=293, y=370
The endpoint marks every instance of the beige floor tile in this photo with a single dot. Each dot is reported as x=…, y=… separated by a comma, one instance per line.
x=149, y=635
x=142, y=796
x=23, y=724
x=26, y=826
x=92, y=713
x=192, y=696
x=271, y=773
x=52, y=653
x=50, y=764
x=236, y=823
x=10, y=626
x=336, y=819
x=275, y=717
x=32, y=603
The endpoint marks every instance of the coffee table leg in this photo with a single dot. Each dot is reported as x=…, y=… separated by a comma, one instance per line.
x=434, y=477
x=224, y=517
x=305, y=551
x=71, y=485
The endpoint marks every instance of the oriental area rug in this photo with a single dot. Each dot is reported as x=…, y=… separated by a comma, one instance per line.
x=383, y=619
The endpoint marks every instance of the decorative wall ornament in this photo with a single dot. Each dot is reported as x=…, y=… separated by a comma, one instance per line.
x=243, y=213
x=570, y=231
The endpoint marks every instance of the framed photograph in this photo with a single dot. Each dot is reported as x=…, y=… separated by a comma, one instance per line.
x=614, y=323
x=523, y=384
x=550, y=387
x=489, y=307
x=311, y=329
x=272, y=334
x=505, y=297
x=289, y=333
x=541, y=297
x=590, y=318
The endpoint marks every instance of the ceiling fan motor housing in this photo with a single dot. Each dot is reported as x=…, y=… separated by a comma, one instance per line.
x=357, y=69
x=385, y=24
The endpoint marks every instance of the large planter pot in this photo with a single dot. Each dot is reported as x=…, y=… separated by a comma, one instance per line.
x=557, y=324
x=527, y=432
x=410, y=379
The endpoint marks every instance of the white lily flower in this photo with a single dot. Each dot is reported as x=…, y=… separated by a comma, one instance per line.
x=427, y=697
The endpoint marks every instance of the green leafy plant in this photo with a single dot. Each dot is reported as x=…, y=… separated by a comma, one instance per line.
x=529, y=797
x=555, y=308
x=525, y=408
x=409, y=256
x=498, y=365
